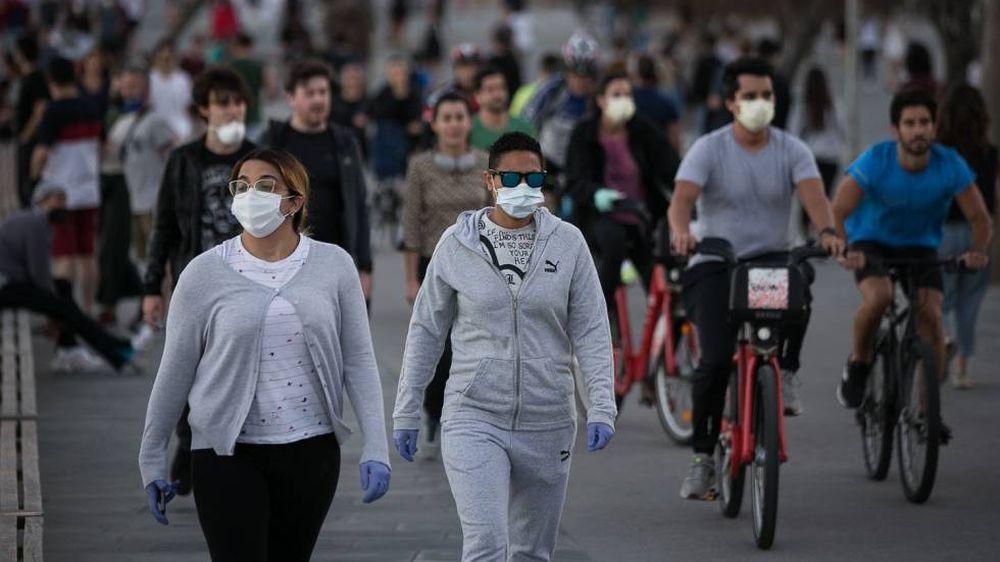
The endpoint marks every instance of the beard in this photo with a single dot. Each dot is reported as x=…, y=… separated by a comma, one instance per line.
x=917, y=147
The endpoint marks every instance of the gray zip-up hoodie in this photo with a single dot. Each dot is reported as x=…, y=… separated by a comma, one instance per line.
x=211, y=359
x=511, y=356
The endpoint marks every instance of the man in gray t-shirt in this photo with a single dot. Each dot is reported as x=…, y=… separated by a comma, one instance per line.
x=742, y=178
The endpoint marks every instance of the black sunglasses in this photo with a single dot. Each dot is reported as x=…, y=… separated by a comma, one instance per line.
x=513, y=179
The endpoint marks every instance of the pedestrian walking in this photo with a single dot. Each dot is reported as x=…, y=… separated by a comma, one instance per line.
x=193, y=208
x=350, y=104
x=332, y=158
x=494, y=118
x=267, y=334
x=518, y=290
x=170, y=90
x=31, y=100
x=964, y=123
x=440, y=184
x=26, y=282
x=66, y=154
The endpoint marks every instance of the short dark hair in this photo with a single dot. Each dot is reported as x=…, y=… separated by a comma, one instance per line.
x=768, y=47
x=514, y=142
x=911, y=98
x=485, y=72
x=918, y=60
x=244, y=40
x=608, y=79
x=306, y=70
x=27, y=45
x=754, y=66
x=646, y=70
x=452, y=96
x=503, y=35
x=61, y=72
x=222, y=80
x=551, y=63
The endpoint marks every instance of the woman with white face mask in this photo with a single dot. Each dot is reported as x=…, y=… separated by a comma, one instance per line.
x=615, y=155
x=267, y=334
x=518, y=290
x=440, y=184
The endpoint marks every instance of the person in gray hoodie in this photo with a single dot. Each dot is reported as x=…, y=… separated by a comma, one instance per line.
x=267, y=333
x=518, y=289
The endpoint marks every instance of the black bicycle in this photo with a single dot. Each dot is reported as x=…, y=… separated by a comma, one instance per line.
x=902, y=398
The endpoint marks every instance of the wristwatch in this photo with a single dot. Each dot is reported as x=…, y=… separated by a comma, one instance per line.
x=828, y=230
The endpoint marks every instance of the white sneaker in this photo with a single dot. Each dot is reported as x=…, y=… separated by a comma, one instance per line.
x=789, y=394
x=140, y=340
x=77, y=359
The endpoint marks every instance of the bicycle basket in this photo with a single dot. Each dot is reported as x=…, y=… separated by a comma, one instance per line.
x=767, y=292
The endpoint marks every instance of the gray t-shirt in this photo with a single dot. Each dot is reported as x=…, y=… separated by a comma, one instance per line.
x=145, y=157
x=746, y=197
x=508, y=249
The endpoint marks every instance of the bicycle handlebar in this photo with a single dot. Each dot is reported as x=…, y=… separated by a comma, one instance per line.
x=722, y=248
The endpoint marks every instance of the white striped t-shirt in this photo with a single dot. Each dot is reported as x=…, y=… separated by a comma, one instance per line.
x=288, y=404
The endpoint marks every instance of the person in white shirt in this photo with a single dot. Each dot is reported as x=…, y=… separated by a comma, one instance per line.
x=170, y=90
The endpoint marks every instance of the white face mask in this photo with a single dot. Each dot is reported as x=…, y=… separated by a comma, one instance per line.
x=231, y=133
x=620, y=109
x=755, y=114
x=259, y=213
x=520, y=201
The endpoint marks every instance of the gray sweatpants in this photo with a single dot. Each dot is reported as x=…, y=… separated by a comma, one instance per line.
x=509, y=487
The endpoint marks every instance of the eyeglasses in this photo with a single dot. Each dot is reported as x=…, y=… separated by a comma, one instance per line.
x=513, y=179
x=263, y=185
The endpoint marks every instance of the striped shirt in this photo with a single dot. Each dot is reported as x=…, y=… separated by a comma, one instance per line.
x=288, y=404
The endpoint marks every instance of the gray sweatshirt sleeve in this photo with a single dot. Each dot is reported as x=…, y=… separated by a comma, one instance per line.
x=39, y=252
x=433, y=314
x=590, y=334
x=181, y=356
x=361, y=377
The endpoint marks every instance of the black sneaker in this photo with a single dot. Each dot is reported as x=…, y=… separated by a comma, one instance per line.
x=851, y=391
x=944, y=434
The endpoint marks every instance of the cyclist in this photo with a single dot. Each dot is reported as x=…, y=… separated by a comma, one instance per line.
x=743, y=177
x=614, y=155
x=892, y=204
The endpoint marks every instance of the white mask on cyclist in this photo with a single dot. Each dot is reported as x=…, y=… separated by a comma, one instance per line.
x=519, y=202
x=259, y=213
x=755, y=114
x=620, y=109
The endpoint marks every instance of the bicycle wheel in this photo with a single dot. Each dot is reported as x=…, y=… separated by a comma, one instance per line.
x=919, y=425
x=765, y=466
x=730, y=486
x=876, y=415
x=673, y=393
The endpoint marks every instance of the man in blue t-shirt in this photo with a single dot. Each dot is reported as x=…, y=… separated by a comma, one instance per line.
x=892, y=204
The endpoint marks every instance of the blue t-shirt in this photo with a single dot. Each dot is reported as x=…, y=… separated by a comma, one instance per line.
x=655, y=106
x=903, y=208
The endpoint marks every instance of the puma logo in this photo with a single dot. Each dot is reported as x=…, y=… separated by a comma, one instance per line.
x=551, y=267
x=564, y=456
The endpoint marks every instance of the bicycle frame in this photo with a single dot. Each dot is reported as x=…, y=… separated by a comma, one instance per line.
x=659, y=304
x=747, y=362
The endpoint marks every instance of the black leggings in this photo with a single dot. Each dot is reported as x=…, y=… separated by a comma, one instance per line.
x=434, y=394
x=615, y=241
x=72, y=321
x=265, y=503
x=706, y=301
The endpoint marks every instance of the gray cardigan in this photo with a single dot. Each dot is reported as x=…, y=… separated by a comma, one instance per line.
x=511, y=356
x=212, y=354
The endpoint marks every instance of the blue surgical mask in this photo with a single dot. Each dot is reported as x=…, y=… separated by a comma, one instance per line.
x=131, y=106
x=519, y=202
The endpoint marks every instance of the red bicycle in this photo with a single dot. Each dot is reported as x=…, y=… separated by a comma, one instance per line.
x=667, y=354
x=763, y=297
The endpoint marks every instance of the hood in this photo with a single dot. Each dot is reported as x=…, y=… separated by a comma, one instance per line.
x=467, y=225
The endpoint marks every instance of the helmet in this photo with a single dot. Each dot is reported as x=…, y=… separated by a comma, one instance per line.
x=466, y=52
x=581, y=53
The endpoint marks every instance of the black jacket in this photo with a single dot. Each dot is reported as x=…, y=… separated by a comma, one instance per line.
x=176, y=236
x=354, y=190
x=656, y=159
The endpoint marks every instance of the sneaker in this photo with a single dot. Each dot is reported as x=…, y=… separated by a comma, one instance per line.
x=142, y=336
x=700, y=482
x=789, y=394
x=851, y=391
x=962, y=381
x=944, y=435
x=77, y=359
